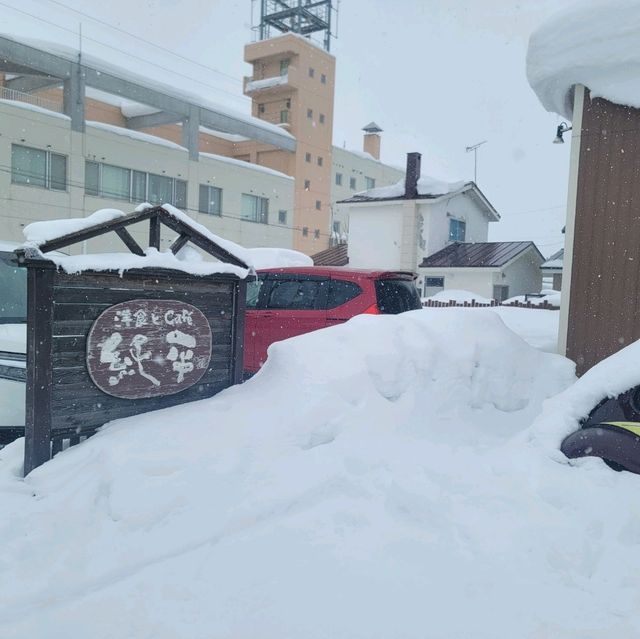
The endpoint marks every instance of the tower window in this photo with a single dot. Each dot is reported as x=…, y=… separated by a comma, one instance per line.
x=323, y=78
x=316, y=234
x=261, y=108
x=307, y=157
x=284, y=117
x=307, y=185
x=312, y=72
x=305, y=231
x=319, y=160
x=322, y=118
x=309, y=113
x=318, y=205
x=284, y=66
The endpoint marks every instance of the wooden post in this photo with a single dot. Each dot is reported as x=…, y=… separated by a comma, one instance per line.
x=37, y=444
x=240, y=294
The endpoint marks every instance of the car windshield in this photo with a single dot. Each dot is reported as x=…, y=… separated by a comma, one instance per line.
x=13, y=284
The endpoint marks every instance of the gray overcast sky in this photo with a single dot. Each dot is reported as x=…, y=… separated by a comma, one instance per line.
x=436, y=75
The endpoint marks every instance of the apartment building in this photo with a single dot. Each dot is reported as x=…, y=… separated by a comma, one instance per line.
x=75, y=137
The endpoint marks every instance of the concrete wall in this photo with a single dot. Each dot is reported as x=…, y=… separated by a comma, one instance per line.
x=523, y=275
x=20, y=205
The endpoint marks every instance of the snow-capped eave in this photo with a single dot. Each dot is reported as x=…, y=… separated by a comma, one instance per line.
x=471, y=187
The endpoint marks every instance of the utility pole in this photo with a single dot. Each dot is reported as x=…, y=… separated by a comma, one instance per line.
x=474, y=148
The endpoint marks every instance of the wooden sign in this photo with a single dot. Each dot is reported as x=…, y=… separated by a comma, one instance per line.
x=148, y=348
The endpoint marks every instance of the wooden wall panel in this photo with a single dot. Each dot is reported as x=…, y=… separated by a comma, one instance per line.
x=604, y=313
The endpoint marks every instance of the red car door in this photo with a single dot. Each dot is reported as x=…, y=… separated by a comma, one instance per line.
x=294, y=304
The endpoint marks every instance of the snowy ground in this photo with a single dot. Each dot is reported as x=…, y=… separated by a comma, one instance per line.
x=382, y=479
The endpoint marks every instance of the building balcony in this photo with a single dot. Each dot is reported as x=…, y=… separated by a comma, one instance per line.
x=274, y=84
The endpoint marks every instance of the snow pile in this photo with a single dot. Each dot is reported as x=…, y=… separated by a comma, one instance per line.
x=267, y=83
x=278, y=258
x=594, y=43
x=458, y=296
x=369, y=481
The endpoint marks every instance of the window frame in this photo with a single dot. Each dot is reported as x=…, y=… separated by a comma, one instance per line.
x=455, y=226
x=47, y=181
x=338, y=179
x=369, y=183
x=209, y=188
x=353, y=184
x=282, y=216
x=261, y=212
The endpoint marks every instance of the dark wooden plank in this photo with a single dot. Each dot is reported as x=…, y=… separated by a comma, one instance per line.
x=154, y=232
x=39, y=371
x=240, y=297
x=129, y=241
x=179, y=242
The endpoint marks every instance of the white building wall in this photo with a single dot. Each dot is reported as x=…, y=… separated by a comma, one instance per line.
x=479, y=281
x=357, y=165
x=20, y=205
x=438, y=214
x=523, y=275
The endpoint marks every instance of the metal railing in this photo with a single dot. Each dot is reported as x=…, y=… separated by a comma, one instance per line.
x=30, y=98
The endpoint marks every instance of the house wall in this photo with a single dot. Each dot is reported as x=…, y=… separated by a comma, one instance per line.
x=604, y=303
x=523, y=275
x=357, y=165
x=435, y=235
x=381, y=235
x=479, y=281
x=20, y=204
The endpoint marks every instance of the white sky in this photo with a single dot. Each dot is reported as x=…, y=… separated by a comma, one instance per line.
x=435, y=75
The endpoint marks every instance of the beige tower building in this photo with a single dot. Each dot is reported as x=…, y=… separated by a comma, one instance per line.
x=293, y=85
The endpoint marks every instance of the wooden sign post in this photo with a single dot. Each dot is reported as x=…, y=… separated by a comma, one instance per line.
x=105, y=345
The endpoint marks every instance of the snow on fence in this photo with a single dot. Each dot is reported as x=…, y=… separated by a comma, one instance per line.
x=474, y=304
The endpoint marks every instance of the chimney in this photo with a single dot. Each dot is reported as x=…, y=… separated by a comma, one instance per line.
x=412, y=176
x=371, y=144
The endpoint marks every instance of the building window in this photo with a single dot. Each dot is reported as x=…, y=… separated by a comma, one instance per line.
x=307, y=185
x=282, y=217
x=434, y=282
x=370, y=183
x=288, y=103
x=210, y=200
x=118, y=183
x=338, y=179
x=305, y=231
x=34, y=167
x=457, y=230
x=316, y=234
x=318, y=205
x=254, y=208
x=312, y=72
x=261, y=108
x=323, y=78
x=352, y=183
x=336, y=227
x=319, y=160
x=284, y=66
x=307, y=157
x=284, y=117
x=321, y=118
x=309, y=113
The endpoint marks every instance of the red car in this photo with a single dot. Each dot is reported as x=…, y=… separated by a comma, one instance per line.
x=284, y=302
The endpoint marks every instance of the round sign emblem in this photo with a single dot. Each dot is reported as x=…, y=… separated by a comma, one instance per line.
x=148, y=348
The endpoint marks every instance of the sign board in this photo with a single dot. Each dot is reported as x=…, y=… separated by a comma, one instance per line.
x=148, y=348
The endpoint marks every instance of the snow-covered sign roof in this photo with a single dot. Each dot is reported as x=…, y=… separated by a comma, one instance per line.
x=594, y=43
x=478, y=254
x=42, y=238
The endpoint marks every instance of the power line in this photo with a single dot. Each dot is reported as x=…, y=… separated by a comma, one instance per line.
x=126, y=53
x=149, y=42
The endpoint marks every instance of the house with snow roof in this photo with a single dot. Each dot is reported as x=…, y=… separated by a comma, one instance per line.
x=396, y=227
x=552, y=269
x=584, y=64
x=494, y=270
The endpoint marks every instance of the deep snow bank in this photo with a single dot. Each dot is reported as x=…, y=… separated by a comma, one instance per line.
x=376, y=479
x=594, y=43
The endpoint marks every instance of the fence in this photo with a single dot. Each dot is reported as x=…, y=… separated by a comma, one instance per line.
x=30, y=98
x=474, y=304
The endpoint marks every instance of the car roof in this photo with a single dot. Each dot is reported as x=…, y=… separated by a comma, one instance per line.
x=328, y=271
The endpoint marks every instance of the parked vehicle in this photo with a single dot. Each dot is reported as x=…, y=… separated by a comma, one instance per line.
x=284, y=302
x=611, y=431
x=13, y=317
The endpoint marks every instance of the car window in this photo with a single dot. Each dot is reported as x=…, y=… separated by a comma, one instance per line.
x=397, y=296
x=13, y=284
x=294, y=294
x=341, y=292
x=254, y=287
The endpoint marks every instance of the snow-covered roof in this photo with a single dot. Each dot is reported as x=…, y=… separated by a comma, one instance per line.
x=149, y=77
x=42, y=236
x=34, y=107
x=267, y=83
x=372, y=127
x=594, y=43
x=134, y=135
x=555, y=261
x=245, y=165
